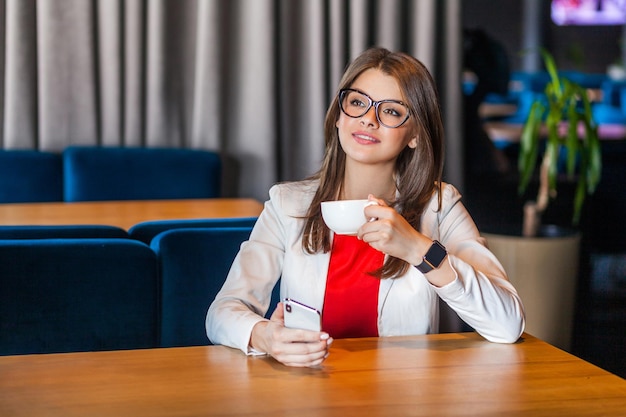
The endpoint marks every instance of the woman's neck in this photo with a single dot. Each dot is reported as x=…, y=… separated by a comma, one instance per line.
x=359, y=183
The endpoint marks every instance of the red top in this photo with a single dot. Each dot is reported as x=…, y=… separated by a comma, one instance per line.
x=351, y=298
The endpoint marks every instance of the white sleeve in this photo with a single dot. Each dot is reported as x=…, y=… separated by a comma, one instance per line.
x=245, y=296
x=481, y=294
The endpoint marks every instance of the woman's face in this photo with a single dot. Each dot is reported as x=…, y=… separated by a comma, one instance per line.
x=364, y=139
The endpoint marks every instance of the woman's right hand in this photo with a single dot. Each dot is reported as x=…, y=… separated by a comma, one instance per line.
x=292, y=347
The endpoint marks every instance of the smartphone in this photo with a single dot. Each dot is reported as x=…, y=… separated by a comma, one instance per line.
x=300, y=316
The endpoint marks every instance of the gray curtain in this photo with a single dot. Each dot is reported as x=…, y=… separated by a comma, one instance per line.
x=250, y=79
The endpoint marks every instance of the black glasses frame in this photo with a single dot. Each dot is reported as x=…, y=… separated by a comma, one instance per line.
x=344, y=91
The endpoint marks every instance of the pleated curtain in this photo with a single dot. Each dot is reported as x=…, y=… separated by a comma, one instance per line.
x=250, y=79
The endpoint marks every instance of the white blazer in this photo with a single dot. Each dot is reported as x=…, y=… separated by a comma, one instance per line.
x=481, y=294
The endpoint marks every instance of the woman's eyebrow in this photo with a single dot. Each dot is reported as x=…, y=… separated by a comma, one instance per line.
x=399, y=100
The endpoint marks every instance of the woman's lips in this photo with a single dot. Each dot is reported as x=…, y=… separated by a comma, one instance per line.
x=364, y=138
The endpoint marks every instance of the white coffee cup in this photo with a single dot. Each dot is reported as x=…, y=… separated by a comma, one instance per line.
x=344, y=217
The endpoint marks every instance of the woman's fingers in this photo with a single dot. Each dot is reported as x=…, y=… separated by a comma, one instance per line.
x=296, y=347
x=302, y=353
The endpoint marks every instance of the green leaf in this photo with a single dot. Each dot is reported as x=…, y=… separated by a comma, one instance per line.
x=572, y=142
x=552, y=154
x=594, y=171
x=529, y=145
x=579, y=199
x=552, y=71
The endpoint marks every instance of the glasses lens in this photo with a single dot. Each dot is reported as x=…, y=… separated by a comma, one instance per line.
x=390, y=113
x=354, y=104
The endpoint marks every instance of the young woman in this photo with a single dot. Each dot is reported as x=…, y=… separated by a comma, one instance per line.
x=384, y=142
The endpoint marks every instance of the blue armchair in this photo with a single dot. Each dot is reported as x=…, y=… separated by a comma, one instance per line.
x=61, y=231
x=64, y=295
x=103, y=173
x=193, y=265
x=30, y=176
x=146, y=231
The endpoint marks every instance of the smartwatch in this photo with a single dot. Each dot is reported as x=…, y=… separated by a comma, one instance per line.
x=433, y=258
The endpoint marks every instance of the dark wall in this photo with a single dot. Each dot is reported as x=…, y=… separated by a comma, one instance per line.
x=583, y=48
x=501, y=20
x=494, y=203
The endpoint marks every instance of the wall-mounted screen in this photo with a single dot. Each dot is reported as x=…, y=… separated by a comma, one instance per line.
x=589, y=12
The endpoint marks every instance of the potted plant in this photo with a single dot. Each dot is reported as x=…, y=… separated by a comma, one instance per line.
x=561, y=135
x=566, y=114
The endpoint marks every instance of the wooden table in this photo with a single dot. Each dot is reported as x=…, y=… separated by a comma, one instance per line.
x=434, y=375
x=125, y=213
x=512, y=132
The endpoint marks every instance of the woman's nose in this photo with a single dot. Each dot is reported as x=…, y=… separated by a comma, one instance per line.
x=370, y=118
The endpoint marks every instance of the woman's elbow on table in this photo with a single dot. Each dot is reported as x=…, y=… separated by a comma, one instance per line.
x=509, y=333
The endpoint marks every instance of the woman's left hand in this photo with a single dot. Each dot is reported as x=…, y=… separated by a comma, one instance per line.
x=391, y=234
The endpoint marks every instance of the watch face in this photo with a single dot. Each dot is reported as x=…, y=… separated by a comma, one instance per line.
x=433, y=258
x=436, y=254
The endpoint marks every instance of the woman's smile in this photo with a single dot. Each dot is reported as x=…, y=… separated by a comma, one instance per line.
x=364, y=138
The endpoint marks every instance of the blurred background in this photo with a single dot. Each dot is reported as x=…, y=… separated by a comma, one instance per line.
x=251, y=79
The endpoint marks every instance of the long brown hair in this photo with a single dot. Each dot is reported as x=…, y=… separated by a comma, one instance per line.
x=418, y=171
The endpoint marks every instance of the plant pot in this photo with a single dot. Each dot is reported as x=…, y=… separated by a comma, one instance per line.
x=544, y=270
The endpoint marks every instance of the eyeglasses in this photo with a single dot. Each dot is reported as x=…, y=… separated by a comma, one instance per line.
x=389, y=113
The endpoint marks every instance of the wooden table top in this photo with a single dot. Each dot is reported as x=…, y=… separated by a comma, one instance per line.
x=125, y=213
x=433, y=375
x=512, y=132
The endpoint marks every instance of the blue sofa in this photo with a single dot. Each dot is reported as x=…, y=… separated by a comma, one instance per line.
x=66, y=294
